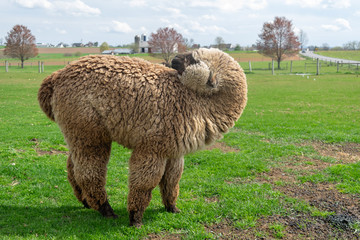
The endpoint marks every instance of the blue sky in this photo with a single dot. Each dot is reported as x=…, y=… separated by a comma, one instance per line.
x=334, y=22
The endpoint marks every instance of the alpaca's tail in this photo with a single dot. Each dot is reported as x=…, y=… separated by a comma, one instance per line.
x=44, y=96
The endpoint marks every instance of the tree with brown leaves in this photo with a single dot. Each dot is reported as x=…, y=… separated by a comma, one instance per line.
x=277, y=39
x=168, y=42
x=20, y=43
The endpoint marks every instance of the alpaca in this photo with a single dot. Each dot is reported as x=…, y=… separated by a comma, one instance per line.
x=160, y=113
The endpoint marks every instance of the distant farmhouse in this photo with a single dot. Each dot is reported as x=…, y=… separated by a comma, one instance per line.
x=141, y=44
x=44, y=45
x=77, y=45
x=223, y=46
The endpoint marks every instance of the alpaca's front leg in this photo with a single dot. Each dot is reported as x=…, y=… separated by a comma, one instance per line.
x=146, y=171
x=169, y=185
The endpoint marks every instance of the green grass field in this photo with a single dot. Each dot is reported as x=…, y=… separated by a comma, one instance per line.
x=349, y=55
x=287, y=139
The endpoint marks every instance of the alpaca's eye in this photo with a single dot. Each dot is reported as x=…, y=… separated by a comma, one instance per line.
x=212, y=82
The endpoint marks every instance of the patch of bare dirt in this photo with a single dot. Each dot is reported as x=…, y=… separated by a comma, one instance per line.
x=297, y=225
x=43, y=152
x=165, y=236
x=212, y=199
x=345, y=152
x=323, y=196
x=222, y=147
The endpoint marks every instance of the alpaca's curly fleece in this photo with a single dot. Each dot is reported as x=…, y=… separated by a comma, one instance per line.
x=160, y=113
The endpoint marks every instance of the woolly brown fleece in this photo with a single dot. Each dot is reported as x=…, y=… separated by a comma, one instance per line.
x=158, y=112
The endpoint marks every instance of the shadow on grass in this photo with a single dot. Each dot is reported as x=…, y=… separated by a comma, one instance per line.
x=62, y=222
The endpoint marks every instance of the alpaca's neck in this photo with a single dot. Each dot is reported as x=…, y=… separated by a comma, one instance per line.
x=223, y=111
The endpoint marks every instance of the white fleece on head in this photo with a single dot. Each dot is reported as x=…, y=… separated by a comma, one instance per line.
x=196, y=76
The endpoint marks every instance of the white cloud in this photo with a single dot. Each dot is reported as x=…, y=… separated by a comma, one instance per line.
x=208, y=17
x=173, y=12
x=165, y=20
x=61, y=31
x=339, y=3
x=320, y=3
x=195, y=26
x=231, y=5
x=339, y=25
x=34, y=3
x=137, y=3
x=120, y=27
x=304, y=3
x=75, y=8
x=329, y=27
x=343, y=23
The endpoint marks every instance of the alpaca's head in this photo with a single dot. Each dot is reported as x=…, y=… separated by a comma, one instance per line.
x=207, y=71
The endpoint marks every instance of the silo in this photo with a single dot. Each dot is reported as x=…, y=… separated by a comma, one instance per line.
x=137, y=44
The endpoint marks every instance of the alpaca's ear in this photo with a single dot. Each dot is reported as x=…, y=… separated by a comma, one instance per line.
x=181, y=61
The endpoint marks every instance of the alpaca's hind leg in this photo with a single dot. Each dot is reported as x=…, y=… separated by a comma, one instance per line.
x=146, y=171
x=75, y=186
x=169, y=184
x=90, y=174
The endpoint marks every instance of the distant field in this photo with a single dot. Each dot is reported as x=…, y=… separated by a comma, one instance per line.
x=245, y=56
x=349, y=55
x=60, y=56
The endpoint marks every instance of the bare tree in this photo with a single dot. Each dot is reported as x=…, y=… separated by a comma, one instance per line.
x=325, y=47
x=220, y=43
x=351, y=45
x=303, y=39
x=168, y=42
x=20, y=43
x=278, y=39
x=189, y=43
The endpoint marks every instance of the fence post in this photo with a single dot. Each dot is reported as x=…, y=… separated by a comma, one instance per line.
x=317, y=67
x=337, y=66
x=272, y=67
x=39, y=66
x=291, y=65
x=250, y=69
x=6, y=66
x=42, y=66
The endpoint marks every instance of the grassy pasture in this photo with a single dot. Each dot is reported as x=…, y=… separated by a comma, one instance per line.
x=259, y=63
x=231, y=191
x=349, y=55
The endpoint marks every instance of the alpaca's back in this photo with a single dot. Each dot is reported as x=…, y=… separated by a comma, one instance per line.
x=132, y=98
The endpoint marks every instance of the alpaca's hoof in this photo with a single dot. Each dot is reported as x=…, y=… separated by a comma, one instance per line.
x=107, y=211
x=137, y=225
x=135, y=219
x=172, y=209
